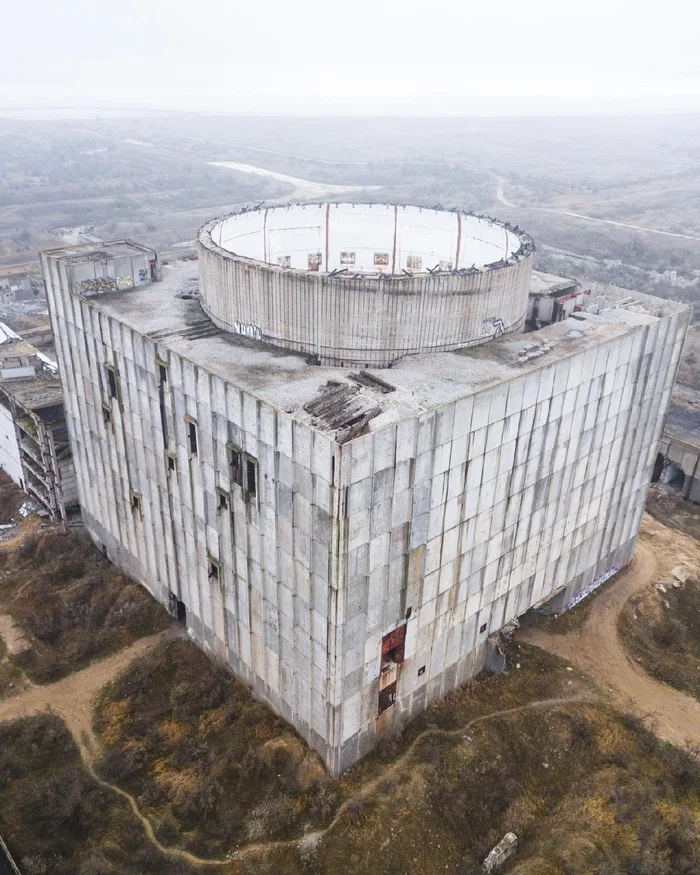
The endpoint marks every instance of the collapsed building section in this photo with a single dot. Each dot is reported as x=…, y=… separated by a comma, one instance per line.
x=346, y=539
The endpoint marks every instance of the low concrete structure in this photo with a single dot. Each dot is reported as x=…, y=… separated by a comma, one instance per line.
x=503, y=851
x=347, y=540
x=34, y=445
x=678, y=462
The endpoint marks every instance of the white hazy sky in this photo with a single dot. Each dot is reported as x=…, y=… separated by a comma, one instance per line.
x=363, y=57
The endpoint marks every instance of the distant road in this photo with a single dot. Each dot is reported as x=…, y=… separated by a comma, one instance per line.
x=303, y=187
x=502, y=198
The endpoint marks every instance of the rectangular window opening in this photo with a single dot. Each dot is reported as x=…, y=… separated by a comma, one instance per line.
x=106, y=414
x=387, y=697
x=251, y=477
x=162, y=373
x=112, y=385
x=191, y=435
x=222, y=499
x=214, y=569
x=171, y=461
x=135, y=499
x=393, y=648
x=236, y=462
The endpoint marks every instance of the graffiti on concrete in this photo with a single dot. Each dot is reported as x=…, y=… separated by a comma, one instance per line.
x=143, y=275
x=125, y=282
x=587, y=590
x=251, y=331
x=99, y=284
x=493, y=327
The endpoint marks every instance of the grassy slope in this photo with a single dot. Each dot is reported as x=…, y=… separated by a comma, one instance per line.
x=73, y=604
x=442, y=794
x=57, y=820
x=666, y=641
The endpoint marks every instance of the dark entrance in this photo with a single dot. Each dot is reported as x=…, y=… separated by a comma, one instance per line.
x=177, y=609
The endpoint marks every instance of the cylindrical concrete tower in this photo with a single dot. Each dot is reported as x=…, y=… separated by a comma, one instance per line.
x=364, y=284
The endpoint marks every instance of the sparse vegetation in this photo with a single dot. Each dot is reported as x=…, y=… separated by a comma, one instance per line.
x=11, y=678
x=211, y=765
x=57, y=820
x=72, y=603
x=662, y=632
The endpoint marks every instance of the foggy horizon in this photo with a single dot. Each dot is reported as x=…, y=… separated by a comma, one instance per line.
x=272, y=60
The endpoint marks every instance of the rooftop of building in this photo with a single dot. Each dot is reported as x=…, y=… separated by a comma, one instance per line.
x=97, y=251
x=683, y=417
x=339, y=400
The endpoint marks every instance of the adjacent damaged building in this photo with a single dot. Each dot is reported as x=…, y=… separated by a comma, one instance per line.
x=34, y=446
x=329, y=448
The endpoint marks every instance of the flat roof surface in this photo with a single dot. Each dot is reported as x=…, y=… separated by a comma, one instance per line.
x=546, y=283
x=287, y=382
x=683, y=418
x=97, y=251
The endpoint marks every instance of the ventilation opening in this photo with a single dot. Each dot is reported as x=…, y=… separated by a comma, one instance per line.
x=106, y=414
x=181, y=612
x=214, y=569
x=251, y=478
x=112, y=385
x=387, y=697
x=393, y=648
x=170, y=461
x=223, y=501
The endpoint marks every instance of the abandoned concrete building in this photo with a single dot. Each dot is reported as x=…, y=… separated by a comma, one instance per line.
x=678, y=459
x=34, y=446
x=330, y=449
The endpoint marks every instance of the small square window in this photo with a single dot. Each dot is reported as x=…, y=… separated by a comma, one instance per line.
x=214, y=569
x=170, y=461
x=106, y=414
x=421, y=671
x=222, y=499
x=483, y=628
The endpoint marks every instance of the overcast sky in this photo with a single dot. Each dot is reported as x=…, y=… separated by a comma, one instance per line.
x=364, y=57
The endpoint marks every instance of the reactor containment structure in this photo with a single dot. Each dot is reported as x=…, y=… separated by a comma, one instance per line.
x=331, y=451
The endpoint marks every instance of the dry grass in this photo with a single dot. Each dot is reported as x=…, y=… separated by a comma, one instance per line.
x=57, y=820
x=666, y=640
x=11, y=678
x=208, y=763
x=73, y=605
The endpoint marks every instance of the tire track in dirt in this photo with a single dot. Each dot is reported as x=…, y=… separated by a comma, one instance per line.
x=598, y=651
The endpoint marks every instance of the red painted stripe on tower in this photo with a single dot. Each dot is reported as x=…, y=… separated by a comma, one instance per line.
x=265, y=236
x=459, y=239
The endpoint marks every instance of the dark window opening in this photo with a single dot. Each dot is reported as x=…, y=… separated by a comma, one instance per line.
x=162, y=374
x=192, y=437
x=387, y=697
x=408, y=613
x=223, y=499
x=482, y=628
x=135, y=502
x=251, y=477
x=393, y=648
x=112, y=387
x=106, y=414
x=658, y=468
x=421, y=671
x=214, y=569
x=170, y=461
x=236, y=466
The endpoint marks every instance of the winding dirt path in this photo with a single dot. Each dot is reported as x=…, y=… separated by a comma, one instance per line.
x=597, y=650
x=73, y=698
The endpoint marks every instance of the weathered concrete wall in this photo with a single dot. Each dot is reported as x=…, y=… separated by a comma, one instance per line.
x=462, y=519
x=269, y=613
x=10, y=460
x=360, y=321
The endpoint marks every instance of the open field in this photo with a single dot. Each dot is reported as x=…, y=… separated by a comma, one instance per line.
x=606, y=199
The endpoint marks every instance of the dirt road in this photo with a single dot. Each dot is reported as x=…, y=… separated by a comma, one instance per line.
x=73, y=697
x=598, y=651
